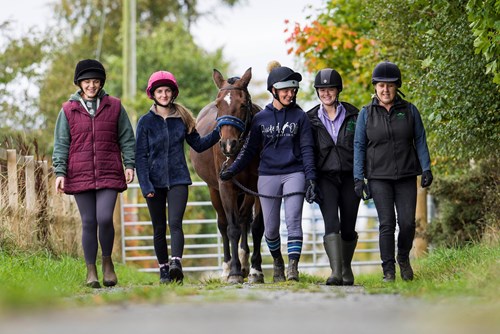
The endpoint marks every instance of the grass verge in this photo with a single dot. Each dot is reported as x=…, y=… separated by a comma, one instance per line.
x=41, y=280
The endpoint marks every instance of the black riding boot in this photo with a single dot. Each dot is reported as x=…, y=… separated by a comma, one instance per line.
x=348, y=248
x=333, y=249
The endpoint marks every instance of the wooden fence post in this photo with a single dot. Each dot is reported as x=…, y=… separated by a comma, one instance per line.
x=12, y=179
x=29, y=172
x=420, y=242
x=2, y=182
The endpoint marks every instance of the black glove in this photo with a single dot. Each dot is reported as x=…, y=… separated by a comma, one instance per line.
x=311, y=195
x=226, y=175
x=426, y=178
x=362, y=190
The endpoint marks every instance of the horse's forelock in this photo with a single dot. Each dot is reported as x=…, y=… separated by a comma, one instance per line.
x=233, y=80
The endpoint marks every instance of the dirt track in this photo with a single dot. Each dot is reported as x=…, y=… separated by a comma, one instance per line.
x=257, y=310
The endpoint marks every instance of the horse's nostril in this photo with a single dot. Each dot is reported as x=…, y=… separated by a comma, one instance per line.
x=234, y=146
x=229, y=146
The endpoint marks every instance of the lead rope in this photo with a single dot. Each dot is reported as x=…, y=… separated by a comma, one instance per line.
x=253, y=193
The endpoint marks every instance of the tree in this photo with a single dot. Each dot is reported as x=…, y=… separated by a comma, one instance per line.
x=449, y=67
x=485, y=24
x=433, y=45
x=19, y=67
x=445, y=78
x=338, y=38
x=91, y=29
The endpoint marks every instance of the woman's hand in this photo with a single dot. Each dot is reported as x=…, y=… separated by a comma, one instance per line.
x=60, y=184
x=129, y=175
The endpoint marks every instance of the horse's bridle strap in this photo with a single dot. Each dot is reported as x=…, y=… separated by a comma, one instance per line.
x=231, y=120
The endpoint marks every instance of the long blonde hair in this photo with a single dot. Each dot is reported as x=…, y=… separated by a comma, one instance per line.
x=186, y=116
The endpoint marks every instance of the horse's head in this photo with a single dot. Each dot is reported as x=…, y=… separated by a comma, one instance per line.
x=234, y=111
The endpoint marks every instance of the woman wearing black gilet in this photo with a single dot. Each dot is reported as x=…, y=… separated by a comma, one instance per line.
x=390, y=150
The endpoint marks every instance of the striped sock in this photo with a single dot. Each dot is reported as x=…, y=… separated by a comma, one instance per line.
x=294, y=248
x=274, y=246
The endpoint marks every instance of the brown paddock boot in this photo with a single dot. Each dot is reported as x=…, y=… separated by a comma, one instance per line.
x=279, y=270
x=293, y=270
x=108, y=272
x=92, y=279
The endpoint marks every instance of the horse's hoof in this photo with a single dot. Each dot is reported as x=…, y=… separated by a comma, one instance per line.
x=255, y=279
x=245, y=265
x=226, y=268
x=235, y=279
x=255, y=276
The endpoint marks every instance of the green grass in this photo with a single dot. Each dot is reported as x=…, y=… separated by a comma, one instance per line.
x=472, y=272
x=41, y=280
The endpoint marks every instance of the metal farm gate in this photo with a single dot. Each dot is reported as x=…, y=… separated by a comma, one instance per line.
x=203, y=251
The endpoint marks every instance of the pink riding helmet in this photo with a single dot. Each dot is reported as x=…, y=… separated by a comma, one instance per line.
x=162, y=78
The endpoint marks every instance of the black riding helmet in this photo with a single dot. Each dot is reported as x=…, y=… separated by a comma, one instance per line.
x=89, y=69
x=328, y=78
x=387, y=72
x=283, y=77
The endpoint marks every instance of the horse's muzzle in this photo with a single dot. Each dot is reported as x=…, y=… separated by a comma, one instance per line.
x=229, y=147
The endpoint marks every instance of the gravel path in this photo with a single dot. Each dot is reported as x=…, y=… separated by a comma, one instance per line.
x=257, y=310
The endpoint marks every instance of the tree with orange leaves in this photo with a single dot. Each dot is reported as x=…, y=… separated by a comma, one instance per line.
x=338, y=39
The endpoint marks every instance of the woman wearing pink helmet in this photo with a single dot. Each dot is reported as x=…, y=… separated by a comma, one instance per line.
x=162, y=170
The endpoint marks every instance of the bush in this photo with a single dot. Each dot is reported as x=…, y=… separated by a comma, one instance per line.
x=468, y=206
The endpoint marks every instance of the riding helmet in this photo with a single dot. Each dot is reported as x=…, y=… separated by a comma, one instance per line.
x=328, y=77
x=387, y=72
x=283, y=77
x=162, y=78
x=89, y=69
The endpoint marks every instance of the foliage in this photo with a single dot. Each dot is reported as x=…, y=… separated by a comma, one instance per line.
x=92, y=29
x=20, y=60
x=170, y=47
x=433, y=45
x=467, y=206
x=485, y=24
x=436, y=47
x=338, y=38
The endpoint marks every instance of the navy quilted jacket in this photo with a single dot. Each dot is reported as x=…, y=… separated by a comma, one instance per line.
x=160, y=157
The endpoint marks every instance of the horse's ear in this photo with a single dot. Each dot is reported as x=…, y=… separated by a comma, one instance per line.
x=218, y=78
x=245, y=79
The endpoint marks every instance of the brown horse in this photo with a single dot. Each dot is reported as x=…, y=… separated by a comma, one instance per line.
x=233, y=110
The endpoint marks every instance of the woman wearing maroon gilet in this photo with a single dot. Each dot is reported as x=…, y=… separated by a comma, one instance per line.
x=93, y=141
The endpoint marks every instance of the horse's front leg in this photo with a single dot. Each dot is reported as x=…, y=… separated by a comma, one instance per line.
x=234, y=232
x=222, y=226
x=229, y=200
x=245, y=218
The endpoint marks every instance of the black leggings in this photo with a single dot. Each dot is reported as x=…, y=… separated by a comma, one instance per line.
x=402, y=195
x=339, y=205
x=96, y=210
x=175, y=199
